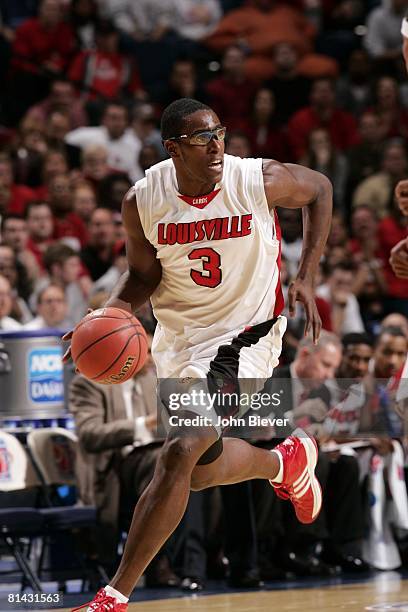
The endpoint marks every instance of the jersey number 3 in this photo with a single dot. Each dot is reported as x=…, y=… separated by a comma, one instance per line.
x=211, y=275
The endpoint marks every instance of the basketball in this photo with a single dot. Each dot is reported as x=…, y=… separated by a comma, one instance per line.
x=109, y=345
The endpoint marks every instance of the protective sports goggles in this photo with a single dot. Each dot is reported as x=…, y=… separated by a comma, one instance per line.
x=204, y=137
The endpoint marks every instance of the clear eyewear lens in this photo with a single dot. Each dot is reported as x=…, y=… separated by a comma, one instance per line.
x=203, y=138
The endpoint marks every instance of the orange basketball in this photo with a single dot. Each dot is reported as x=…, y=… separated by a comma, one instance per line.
x=109, y=346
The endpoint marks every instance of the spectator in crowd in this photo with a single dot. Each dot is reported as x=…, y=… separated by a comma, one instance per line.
x=16, y=196
x=14, y=233
x=181, y=83
x=54, y=164
x=261, y=25
x=62, y=99
x=151, y=29
x=118, y=449
x=7, y=323
x=112, y=190
x=322, y=156
x=395, y=319
x=357, y=354
x=381, y=422
x=103, y=72
x=83, y=18
x=291, y=89
x=290, y=220
x=28, y=153
x=148, y=156
x=67, y=224
x=94, y=164
x=57, y=128
x=345, y=311
x=307, y=400
x=106, y=283
x=40, y=227
x=197, y=18
x=144, y=124
x=387, y=105
x=84, y=200
x=120, y=140
x=266, y=137
x=231, y=93
x=51, y=309
x=383, y=37
x=354, y=88
x=376, y=190
x=20, y=284
x=379, y=417
x=98, y=254
x=42, y=45
x=369, y=284
x=63, y=266
x=365, y=157
x=237, y=143
x=322, y=113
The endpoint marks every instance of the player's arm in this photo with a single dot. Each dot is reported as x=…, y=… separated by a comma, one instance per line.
x=144, y=272
x=399, y=253
x=293, y=186
x=138, y=283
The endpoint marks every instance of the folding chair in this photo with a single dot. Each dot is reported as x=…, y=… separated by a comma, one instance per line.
x=18, y=494
x=53, y=451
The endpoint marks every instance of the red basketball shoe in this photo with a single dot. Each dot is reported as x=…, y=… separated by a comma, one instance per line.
x=300, y=485
x=102, y=602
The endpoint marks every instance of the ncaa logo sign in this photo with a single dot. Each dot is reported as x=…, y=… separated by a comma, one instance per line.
x=45, y=375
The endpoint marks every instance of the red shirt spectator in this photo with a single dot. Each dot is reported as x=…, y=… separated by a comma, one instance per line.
x=70, y=226
x=231, y=94
x=45, y=41
x=266, y=138
x=104, y=70
x=322, y=113
x=19, y=195
x=66, y=222
x=62, y=99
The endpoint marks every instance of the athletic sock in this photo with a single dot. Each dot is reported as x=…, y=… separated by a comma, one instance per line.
x=114, y=593
x=279, y=477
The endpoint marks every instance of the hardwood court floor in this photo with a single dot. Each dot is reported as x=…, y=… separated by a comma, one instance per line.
x=379, y=595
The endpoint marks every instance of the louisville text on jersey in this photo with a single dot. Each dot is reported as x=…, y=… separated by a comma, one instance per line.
x=206, y=229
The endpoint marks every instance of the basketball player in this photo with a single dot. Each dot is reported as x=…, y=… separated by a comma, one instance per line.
x=203, y=243
x=399, y=253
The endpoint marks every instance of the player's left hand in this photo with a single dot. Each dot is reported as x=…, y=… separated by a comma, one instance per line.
x=399, y=259
x=302, y=291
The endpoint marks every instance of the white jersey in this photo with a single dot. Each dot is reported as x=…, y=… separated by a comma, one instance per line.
x=220, y=256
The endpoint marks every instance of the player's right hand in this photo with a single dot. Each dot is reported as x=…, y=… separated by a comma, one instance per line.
x=65, y=338
x=302, y=291
x=399, y=259
x=401, y=195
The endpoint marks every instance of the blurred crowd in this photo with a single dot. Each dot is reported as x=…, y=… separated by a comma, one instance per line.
x=317, y=82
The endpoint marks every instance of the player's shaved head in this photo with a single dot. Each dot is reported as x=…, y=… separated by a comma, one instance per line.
x=175, y=114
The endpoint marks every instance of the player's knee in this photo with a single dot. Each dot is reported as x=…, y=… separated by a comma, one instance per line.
x=181, y=452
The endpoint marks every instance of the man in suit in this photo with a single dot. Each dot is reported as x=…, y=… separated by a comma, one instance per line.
x=305, y=399
x=118, y=448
